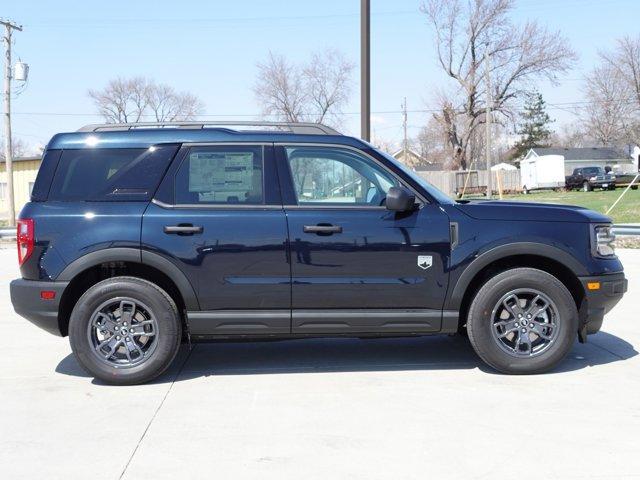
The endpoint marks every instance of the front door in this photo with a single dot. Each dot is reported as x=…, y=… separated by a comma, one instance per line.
x=356, y=266
x=218, y=216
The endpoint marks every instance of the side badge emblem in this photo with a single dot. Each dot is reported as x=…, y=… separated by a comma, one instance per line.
x=425, y=261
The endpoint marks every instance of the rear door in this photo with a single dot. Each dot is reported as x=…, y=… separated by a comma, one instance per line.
x=218, y=216
x=356, y=266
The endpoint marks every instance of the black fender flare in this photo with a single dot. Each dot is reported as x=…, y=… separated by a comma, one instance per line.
x=555, y=254
x=134, y=255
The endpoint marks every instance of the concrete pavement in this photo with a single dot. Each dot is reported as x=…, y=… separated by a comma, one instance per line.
x=323, y=409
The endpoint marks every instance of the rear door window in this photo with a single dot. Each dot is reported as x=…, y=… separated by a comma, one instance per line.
x=223, y=175
x=110, y=174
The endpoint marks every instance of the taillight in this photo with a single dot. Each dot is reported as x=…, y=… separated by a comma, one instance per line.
x=25, y=239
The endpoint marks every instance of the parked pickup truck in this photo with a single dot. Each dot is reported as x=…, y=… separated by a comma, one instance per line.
x=588, y=178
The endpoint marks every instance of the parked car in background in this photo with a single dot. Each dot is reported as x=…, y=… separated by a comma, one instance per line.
x=624, y=179
x=588, y=178
x=140, y=236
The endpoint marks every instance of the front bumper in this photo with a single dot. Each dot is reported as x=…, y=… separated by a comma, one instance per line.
x=27, y=302
x=603, y=184
x=599, y=301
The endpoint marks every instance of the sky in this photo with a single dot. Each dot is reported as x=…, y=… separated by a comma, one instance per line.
x=211, y=48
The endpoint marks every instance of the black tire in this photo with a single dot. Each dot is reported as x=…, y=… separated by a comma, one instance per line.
x=479, y=321
x=634, y=187
x=163, y=309
x=586, y=187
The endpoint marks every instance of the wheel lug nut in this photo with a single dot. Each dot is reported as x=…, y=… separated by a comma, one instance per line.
x=519, y=315
x=531, y=325
x=517, y=324
x=524, y=330
x=117, y=337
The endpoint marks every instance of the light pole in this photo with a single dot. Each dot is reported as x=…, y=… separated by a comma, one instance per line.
x=488, y=121
x=10, y=26
x=365, y=69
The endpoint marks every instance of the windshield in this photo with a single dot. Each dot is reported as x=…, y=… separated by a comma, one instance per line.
x=438, y=195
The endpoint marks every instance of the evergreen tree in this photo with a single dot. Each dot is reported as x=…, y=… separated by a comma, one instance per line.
x=534, y=126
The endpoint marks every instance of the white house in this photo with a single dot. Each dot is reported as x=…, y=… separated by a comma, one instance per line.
x=586, y=157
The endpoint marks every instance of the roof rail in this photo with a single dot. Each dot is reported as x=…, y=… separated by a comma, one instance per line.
x=306, y=128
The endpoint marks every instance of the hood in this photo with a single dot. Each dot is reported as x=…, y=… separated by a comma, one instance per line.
x=529, y=212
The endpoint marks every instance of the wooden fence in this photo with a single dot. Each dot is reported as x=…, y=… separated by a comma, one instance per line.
x=452, y=182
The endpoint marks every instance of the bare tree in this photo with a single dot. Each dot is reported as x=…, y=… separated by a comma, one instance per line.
x=572, y=136
x=280, y=89
x=327, y=81
x=432, y=143
x=608, y=111
x=314, y=92
x=18, y=148
x=613, y=93
x=467, y=30
x=132, y=100
x=166, y=105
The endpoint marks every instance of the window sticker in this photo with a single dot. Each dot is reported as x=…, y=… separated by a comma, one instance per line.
x=220, y=172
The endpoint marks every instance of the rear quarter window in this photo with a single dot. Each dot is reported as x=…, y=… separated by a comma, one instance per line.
x=110, y=174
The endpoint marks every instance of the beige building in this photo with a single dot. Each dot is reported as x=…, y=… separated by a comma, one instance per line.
x=25, y=170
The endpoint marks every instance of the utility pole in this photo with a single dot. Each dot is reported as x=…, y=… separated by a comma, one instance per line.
x=405, y=143
x=365, y=69
x=488, y=121
x=9, y=26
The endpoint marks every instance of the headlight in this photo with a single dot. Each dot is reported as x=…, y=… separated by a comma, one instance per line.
x=604, y=238
x=593, y=179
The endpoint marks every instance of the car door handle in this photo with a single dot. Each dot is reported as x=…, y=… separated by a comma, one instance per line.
x=322, y=229
x=183, y=229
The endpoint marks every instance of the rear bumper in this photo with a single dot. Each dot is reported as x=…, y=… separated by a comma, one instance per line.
x=26, y=300
x=598, y=302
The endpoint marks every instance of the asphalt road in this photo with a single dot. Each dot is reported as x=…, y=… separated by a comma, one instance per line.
x=323, y=409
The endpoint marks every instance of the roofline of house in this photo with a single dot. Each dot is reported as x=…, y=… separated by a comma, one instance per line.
x=23, y=159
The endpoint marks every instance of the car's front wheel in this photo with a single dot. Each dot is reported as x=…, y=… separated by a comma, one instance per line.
x=522, y=321
x=125, y=330
x=586, y=187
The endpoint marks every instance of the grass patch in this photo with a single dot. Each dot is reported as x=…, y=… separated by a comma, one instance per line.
x=626, y=211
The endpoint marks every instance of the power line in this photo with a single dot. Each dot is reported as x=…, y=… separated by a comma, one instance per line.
x=518, y=108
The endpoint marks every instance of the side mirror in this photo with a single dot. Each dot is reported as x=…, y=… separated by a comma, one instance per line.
x=399, y=199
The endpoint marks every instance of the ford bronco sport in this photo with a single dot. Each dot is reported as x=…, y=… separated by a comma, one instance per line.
x=139, y=237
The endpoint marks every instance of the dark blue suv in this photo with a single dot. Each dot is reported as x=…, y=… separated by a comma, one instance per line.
x=139, y=237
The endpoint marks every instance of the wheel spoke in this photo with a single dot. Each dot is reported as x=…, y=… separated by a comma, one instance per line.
x=127, y=311
x=535, y=308
x=539, y=329
x=523, y=340
x=142, y=333
x=505, y=327
x=133, y=345
x=112, y=343
x=104, y=321
x=513, y=308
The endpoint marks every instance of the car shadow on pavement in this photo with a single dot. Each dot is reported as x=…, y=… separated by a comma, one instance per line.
x=355, y=355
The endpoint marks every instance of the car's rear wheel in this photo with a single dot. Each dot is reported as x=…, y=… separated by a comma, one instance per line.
x=522, y=321
x=125, y=330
